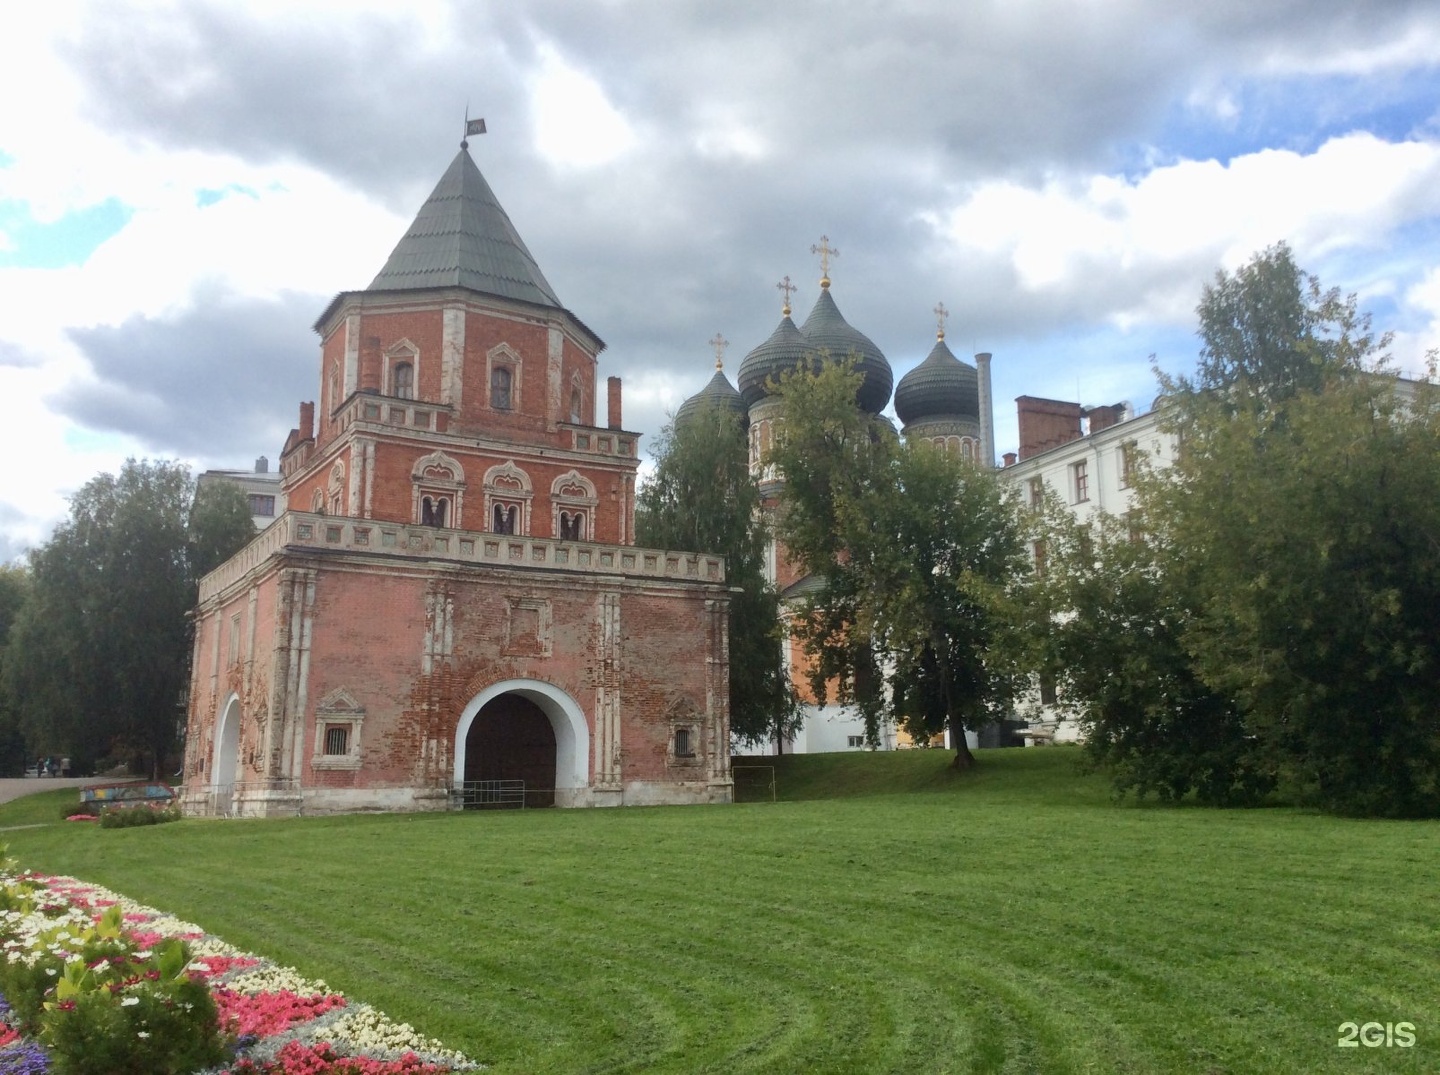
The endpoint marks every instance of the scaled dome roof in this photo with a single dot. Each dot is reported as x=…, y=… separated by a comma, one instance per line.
x=825, y=331
x=719, y=392
x=941, y=386
x=782, y=352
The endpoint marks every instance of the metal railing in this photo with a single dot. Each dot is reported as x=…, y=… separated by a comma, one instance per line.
x=498, y=795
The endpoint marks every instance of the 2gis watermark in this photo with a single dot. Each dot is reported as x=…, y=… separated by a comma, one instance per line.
x=1376, y=1035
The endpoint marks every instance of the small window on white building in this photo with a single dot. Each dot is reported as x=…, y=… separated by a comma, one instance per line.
x=1128, y=453
x=1048, y=694
x=1080, y=481
x=855, y=741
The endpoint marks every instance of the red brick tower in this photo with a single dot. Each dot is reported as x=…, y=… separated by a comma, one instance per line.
x=453, y=606
x=461, y=346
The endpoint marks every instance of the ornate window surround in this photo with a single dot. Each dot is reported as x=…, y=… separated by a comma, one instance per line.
x=573, y=492
x=400, y=351
x=338, y=708
x=335, y=489
x=441, y=477
x=683, y=715
x=507, y=484
x=577, y=399
x=505, y=356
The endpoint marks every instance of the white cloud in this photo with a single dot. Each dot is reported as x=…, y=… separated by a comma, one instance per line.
x=1412, y=349
x=576, y=126
x=1102, y=236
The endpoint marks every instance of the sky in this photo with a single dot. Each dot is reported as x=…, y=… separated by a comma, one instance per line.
x=185, y=186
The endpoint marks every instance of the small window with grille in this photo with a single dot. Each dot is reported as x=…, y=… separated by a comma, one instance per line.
x=337, y=739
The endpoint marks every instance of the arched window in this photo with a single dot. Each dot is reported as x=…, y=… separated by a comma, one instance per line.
x=434, y=510
x=503, y=518
x=575, y=402
x=438, y=491
x=572, y=526
x=572, y=502
x=500, y=388
x=402, y=380
x=508, y=495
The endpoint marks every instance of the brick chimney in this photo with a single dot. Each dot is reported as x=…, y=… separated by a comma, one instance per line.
x=613, y=400
x=1105, y=417
x=1010, y=459
x=1046, y=423
x=307, y=421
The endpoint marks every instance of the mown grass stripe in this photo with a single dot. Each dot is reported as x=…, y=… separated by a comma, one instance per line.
x=1010, y=920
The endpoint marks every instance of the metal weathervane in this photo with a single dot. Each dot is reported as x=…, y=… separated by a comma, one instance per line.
x=472, y=126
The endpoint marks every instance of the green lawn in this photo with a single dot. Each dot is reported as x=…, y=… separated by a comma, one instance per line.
x=886, y=915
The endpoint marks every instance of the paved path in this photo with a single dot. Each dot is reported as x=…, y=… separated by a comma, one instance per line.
x=16, y=787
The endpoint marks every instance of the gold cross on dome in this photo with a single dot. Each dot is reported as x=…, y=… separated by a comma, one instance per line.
x=940, y=315
x=789, y=289
x=826, y=252
x=719, y=343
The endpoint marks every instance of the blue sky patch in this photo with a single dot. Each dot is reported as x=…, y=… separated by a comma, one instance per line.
x=1297, y=113
x=208, y=197
x=60, y=243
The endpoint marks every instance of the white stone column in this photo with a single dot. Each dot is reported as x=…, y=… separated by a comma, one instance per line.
x=351, y=372
x=452, y=356
x=987, y=410
x=607, y=697
x=554, y=361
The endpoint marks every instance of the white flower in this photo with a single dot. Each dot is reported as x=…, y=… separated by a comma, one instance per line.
x=129, y=1002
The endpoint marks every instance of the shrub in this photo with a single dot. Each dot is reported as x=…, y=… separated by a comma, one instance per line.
x=128, y=817
x=100, y=1003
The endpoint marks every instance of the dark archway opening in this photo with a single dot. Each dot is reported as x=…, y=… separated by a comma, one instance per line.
x=511, y=739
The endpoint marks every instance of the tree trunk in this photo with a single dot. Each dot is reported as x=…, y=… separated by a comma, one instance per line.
x=963, y=758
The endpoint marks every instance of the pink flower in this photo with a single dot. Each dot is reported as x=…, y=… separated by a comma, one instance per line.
x=267, y=1014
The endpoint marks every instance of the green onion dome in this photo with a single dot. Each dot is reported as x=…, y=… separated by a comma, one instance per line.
x=940, y=387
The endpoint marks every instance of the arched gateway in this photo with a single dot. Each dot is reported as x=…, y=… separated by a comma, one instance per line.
x=529, y=730
x=226, y=761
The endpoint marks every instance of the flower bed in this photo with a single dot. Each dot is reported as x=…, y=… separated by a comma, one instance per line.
x=96, y=984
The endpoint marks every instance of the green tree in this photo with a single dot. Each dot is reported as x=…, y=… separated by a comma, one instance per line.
x=219, y=518
x=1117, y=617
x=920, y=560
x=14, y=593
x=99, y=658
x=1288, y=611
x=702, y=497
